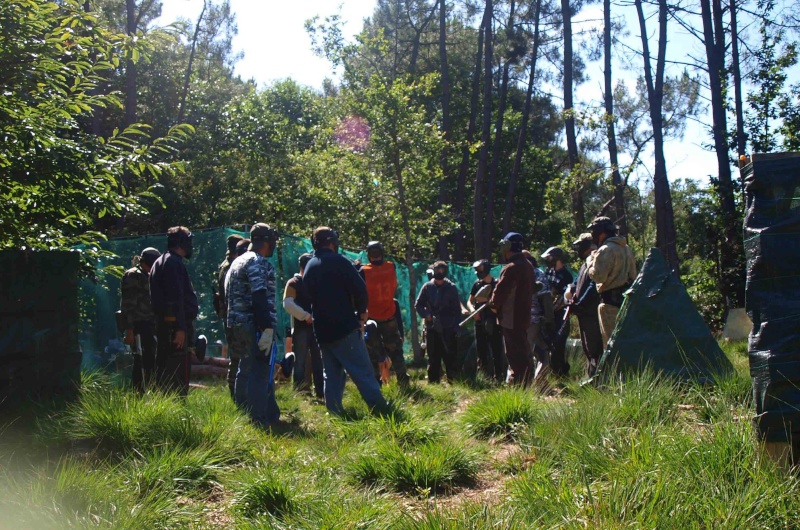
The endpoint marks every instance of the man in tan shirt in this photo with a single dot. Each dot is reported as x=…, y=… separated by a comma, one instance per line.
x=613, y=268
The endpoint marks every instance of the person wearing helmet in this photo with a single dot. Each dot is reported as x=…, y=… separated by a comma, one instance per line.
x=583, y=300
x=250, y=295
x=137, y=315
x=439, y=305
x=175, y=306
x=613, y=268
x=380, y=276
x=221, y=306
x=511, y=300
x=308, y=359
x=559, y=278
x=488, y=335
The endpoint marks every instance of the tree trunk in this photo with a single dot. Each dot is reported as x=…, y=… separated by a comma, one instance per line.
x=446, y=125
x=578, y=213
x=130, y=69
x=187, y=77
x=488, y=235
x=616, y=178
x=409, y=250
x=665, y=217
x=459, y=245
x=741, y=136
x=731, y=283
x=483, y=160
x=522, y=139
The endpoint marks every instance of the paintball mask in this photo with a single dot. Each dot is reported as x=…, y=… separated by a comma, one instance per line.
x=440, y=270
x=375, y=252
x=482, y=268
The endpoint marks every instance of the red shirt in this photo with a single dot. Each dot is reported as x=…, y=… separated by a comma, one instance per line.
x=381, y=283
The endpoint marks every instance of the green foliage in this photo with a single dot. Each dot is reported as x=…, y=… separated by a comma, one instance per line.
x=58, y=180
x=769, y=104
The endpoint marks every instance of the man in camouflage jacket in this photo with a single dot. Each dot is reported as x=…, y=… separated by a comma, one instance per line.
x=221, y=305
x=139, y=319
x=250, y=294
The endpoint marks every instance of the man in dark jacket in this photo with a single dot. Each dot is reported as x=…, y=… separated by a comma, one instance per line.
x=140, y=332
x=339, y=309
x=512, y=302
x=175, y=306
x=583, y=301
x=439, y=305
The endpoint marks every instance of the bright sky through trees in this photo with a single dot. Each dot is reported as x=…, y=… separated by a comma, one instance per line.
x=276, y=46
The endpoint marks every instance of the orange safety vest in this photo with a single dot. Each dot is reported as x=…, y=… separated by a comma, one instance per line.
x=381, y=283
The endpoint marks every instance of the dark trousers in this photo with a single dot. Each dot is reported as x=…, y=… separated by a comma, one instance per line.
x=442, y=346
x=172, y=365
x=558, y=357
x=233, y=357
x=518, y=355
x=144, y=365
x=489, y=343
x=386, y=341
x=306, y=350
x=591, y=340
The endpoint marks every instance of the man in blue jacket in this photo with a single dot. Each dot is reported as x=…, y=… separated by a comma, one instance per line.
x=339, y=309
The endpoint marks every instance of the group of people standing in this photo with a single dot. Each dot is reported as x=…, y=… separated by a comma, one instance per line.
x=346, y=320
x=522, y=317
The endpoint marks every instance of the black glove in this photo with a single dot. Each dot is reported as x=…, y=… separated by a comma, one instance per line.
x=260, y=311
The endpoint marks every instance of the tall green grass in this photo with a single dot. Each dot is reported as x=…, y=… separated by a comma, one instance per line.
x=639, y=452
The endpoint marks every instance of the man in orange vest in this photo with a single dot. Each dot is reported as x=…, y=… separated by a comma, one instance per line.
x=381, y=279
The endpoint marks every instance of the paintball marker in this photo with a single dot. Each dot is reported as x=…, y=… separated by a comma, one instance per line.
x=565, y=324
x=481, y=297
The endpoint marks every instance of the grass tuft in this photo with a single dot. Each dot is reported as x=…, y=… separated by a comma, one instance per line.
x=428, y=469
x=501, y=413
x=266, y=495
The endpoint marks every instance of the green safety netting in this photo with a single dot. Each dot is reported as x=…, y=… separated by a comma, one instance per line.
x=99, y=301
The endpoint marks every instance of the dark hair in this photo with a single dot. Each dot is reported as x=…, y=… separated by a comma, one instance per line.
x=178, y=236
x=324, y=236
x=303, y=260
x=440, y=264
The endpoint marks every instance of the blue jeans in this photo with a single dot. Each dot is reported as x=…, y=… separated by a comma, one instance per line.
x=252, y=390
x=350, y=354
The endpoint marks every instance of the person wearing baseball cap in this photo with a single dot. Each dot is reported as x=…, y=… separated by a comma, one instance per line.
x=511, y=300
x=137, y=316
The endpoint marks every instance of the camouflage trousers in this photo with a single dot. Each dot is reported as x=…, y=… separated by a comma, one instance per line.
x=608, y=321
x=387, y=342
